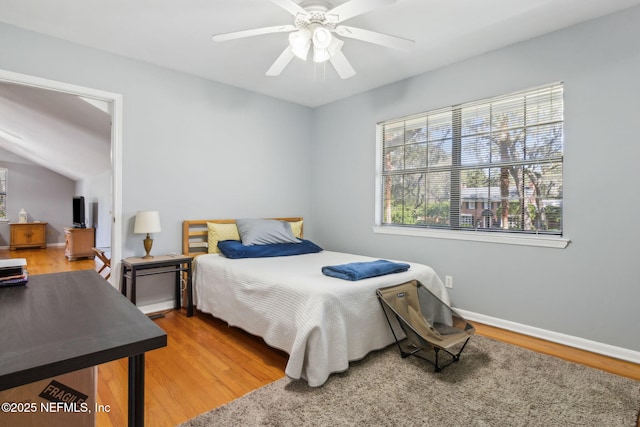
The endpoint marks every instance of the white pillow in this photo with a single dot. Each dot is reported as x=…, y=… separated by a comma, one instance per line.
x=264, y=232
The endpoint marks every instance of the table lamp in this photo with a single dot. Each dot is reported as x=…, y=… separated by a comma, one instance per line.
x=147, y=222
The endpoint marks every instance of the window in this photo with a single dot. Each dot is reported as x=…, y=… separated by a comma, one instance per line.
x=3, y=194
x=506, y=153
x=466, y=220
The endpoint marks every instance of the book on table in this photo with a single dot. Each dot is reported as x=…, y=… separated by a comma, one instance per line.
x=13, y=272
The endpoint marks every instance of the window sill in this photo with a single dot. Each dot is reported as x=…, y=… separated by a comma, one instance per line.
x=501, y=238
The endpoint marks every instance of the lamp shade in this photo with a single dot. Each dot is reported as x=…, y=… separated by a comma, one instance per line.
x=147, y=222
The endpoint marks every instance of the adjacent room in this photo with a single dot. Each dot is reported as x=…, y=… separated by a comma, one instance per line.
x=473, y=150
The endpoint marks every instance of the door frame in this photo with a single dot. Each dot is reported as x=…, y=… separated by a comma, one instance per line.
x=115, y=101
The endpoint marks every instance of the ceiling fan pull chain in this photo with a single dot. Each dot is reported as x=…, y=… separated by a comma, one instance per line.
x=315, y=70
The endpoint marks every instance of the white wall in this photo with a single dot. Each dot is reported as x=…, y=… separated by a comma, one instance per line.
x=98, y=211
x=590, y=289
x=192, y=148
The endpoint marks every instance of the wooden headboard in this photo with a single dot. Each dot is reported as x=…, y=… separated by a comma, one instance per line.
x=195, y=233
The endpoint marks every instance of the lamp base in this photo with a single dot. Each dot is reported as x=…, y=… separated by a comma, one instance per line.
x=148, y=242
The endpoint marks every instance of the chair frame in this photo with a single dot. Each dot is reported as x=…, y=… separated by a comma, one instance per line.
x=106, y=262
x=455, y=357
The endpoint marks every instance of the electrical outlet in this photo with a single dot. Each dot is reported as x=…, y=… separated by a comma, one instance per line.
x=448, y=281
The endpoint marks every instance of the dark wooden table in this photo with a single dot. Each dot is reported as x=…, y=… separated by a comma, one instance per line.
x=134, y=267
x=63, y=322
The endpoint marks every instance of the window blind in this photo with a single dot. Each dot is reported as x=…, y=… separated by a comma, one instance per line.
x=488, y=165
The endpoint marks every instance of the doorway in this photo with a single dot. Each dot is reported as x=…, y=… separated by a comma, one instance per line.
x=114, y=101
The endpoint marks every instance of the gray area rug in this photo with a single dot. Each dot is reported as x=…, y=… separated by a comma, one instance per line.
x=493, y=384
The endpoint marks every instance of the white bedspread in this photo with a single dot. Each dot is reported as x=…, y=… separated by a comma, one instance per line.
x=321, y=322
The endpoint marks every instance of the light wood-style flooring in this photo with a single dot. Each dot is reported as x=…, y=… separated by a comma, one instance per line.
x=207, y=363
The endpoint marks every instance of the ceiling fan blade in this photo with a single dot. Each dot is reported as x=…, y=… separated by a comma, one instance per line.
x=254, y=32
x=356, y=7
x=283, y=60
x=375, y=38
x=290, y=6
x=342, y=65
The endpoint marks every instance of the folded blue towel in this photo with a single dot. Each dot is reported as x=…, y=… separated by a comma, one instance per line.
x=364, y=270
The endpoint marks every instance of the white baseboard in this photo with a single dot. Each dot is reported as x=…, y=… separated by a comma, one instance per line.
x=568, y=340
x=154, y=308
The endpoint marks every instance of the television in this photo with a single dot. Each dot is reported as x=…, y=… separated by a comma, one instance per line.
x=78, y=212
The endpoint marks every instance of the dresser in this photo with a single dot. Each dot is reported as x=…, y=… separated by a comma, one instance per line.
x=79, y=243
x=28, y=235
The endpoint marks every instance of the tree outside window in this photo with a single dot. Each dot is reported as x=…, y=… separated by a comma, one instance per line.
x=3, y=194
x=491, y=165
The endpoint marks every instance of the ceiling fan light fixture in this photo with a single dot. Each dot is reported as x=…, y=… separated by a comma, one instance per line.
x=320, y=55
x=321, y=37
x=314, y=22
x=300, y=42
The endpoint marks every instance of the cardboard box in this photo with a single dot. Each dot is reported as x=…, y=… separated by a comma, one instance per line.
x=64, y=400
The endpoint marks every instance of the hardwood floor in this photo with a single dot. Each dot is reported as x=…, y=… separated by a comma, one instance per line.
x=206, y=363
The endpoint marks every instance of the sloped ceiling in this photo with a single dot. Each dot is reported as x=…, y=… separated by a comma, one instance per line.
x=61, y=132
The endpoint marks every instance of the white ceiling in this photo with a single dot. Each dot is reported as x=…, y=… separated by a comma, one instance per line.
x=177, y=35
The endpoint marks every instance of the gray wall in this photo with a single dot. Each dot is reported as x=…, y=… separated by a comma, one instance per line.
x=591, y=288
x=197, y=149
x=45, y=195
x=192, y=148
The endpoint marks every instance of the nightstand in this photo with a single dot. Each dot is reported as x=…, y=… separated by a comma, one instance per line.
x=134, y=267
x=79, y=243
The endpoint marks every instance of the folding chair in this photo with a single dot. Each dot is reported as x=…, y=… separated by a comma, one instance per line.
x=106, y=262
x=427, y=322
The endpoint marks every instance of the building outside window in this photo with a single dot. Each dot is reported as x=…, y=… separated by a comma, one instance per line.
x=491, y=165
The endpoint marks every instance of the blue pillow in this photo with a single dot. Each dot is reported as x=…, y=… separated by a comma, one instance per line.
x=264, y=231
x=235, y=249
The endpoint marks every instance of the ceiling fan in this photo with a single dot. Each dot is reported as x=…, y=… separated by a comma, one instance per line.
x=314, y=25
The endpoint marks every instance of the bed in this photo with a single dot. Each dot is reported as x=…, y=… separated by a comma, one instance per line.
x=321, y=322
